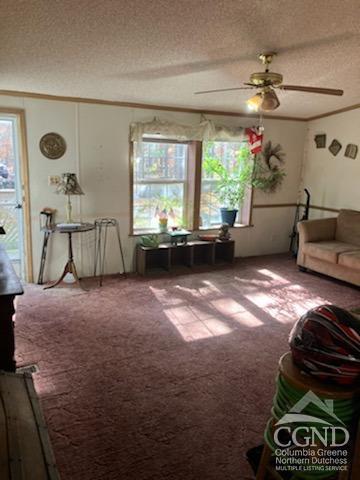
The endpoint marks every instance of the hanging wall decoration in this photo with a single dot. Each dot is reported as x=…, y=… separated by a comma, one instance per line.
x=268, y=174
x=52, y=145
x=335, y=147
x=351, y=151
x=320, y=140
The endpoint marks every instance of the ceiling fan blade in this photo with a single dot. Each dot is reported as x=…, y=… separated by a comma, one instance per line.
x=324, y=91
x=223, y=90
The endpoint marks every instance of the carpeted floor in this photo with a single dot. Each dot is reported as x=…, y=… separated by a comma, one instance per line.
x=167, y=378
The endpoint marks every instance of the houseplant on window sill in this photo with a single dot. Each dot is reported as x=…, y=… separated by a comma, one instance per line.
x=246, y=171
x=233, y=182
x=163, y=216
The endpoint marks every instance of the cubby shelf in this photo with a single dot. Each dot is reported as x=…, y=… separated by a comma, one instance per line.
x=167, y=257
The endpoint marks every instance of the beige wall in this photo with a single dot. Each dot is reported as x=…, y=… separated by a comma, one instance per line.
x=98, y=151
x=333, y=181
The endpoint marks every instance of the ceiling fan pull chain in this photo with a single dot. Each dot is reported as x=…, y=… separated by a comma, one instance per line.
x=261, y=124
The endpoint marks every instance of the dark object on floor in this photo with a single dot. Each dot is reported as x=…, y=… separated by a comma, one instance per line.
x=294, y=236
x=10, y=286
x=254, y=456
x=166, y=256
x=46, y=221
x=27, y=454
x=302, y=269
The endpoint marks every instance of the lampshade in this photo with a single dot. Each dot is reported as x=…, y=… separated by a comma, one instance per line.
x=270, y=100
x=69, y=185
x=254, y=103
x=266, y=100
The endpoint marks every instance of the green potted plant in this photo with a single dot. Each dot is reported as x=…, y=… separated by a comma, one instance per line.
x=232, y=182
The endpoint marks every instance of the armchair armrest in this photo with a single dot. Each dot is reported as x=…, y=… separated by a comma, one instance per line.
x=317, y=230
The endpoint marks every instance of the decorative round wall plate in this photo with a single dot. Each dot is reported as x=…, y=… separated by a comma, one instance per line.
x=52, y=145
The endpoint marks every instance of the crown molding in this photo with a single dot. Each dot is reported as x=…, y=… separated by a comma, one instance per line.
x=145, y=106
x=169, y=108
x=334, y=112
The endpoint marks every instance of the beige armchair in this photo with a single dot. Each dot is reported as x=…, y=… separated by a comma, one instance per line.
x=332, y=246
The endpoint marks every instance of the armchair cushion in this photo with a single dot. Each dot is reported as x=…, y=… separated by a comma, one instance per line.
x=350, y=259
x=328, y=251
x=348, y=227
x=317, y=230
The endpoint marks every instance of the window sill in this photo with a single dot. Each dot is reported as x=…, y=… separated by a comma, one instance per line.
x=201, y=229
x=216, y=227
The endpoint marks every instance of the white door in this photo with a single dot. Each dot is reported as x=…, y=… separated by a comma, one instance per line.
x=11, y=217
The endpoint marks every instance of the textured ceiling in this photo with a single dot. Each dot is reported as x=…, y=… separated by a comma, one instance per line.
x=161, y=51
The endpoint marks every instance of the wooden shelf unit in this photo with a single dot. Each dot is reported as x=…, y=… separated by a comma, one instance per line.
x=167, y=257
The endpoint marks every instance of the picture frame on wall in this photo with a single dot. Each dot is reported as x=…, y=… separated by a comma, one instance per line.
x=351, y=151
x=320, y=140
x=335, y=147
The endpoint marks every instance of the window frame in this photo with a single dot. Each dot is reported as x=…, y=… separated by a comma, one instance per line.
x=192, y=187
x=244, y=210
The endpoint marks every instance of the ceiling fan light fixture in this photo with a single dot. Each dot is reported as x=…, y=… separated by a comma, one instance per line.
x=270, y=100
x=254, y=103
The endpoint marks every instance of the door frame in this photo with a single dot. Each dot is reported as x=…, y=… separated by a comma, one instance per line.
x=19, y=114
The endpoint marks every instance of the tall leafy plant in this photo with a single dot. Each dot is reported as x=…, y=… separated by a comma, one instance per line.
x=232, y=182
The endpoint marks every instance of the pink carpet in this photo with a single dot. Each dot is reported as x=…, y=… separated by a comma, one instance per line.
x=167, y=378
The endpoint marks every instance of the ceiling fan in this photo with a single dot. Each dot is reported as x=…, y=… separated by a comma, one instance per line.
x=266, y=82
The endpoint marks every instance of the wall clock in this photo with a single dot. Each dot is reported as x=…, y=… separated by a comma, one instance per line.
x=52, y=145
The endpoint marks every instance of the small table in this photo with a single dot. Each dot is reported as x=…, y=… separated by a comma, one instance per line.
x=178, y=236
x=70, y=264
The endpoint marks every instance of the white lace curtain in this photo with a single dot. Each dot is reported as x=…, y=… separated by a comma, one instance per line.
x=204, y=131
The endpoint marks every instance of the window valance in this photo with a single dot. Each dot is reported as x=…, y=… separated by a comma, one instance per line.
x=204, y=131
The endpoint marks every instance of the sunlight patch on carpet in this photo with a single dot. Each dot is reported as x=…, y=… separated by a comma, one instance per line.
x=247, y=319
x=227, y=305
x=286, y=304
x=274, y=276
x=191, y=327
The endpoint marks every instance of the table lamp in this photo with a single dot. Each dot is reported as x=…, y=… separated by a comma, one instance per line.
x=69, y=185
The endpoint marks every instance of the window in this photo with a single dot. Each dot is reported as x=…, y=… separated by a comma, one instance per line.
x=160, y=184
x=167, y=175
x=228, y=154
